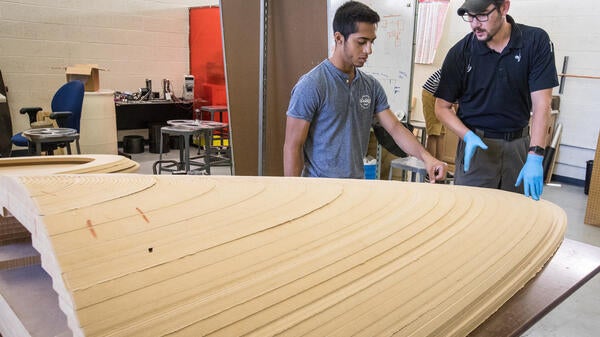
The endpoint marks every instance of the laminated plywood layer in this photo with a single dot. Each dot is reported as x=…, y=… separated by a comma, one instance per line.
x=65, y=164
x=134, y=255
x=27, y=307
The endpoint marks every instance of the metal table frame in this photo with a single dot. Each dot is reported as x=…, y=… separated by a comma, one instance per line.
x=184, y=129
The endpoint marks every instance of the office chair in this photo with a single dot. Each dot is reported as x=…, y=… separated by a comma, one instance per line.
x=66, y=110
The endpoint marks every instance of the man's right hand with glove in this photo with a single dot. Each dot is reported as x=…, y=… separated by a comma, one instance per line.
x=472, y=142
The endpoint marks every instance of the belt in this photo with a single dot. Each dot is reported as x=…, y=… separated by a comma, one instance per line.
x=507, y=136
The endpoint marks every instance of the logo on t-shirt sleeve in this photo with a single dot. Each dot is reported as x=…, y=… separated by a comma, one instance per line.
x=365, y=101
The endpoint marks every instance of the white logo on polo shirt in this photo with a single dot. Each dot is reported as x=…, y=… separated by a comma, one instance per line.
x=365, y=101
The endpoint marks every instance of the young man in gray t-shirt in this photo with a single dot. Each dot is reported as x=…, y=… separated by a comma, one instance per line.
x=332, y=107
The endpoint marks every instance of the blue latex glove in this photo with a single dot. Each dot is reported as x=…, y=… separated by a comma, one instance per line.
x=472, y=142
x=532, y=175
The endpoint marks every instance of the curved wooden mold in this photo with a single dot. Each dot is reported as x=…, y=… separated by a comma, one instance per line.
x=134, y=255
x=67, y=164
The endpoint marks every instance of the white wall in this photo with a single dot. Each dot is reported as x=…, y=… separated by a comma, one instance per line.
x=134, y=39
x=575, y=31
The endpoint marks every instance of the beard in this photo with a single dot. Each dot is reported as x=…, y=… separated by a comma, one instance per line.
x=488, y=36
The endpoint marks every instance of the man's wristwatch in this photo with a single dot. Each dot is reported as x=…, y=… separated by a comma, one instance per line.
x=540, y=151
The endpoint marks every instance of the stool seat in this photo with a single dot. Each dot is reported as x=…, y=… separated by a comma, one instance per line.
x=50, y=138
x=411, y=164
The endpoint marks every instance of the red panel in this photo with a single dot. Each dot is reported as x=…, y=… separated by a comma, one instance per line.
x=206, y=56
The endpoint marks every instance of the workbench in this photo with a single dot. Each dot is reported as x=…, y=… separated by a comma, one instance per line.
x=572, y=266
x=141, y=114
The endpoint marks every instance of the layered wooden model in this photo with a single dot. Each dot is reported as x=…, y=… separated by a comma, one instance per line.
x=141, y=255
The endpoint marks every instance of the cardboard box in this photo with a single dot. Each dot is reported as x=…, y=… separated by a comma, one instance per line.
x=87, y=73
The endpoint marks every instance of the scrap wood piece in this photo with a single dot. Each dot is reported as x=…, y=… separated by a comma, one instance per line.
x=592, y=210
x=292, y=256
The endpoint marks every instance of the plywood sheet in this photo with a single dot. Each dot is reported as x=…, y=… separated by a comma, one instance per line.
x=592, y=212
x=63, y=164
x=229, y=256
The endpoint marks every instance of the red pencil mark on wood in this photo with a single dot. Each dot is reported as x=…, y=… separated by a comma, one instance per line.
x=143, y=215
x=91, y=228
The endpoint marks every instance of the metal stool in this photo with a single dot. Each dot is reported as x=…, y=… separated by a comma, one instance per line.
x=51, y=138
x=185, y=162
x=222, y=155
x=412, y=164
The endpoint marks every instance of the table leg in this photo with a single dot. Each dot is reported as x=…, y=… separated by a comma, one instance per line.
x=187, y=154
x=207, y=152
x=181, y=152
x=160, y=152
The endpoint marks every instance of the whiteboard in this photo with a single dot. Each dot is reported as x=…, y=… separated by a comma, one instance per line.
x=392, y=58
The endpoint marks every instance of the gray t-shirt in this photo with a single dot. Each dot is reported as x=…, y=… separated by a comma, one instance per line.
x=340, y=116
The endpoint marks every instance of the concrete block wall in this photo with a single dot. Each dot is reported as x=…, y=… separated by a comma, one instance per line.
x=574, y=28
x=133, y=39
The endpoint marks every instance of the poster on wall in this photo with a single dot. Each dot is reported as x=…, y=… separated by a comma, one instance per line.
x=392, y=58
x=430, y=26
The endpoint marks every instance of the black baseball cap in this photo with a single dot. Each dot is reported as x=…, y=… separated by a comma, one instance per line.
x=474, y=6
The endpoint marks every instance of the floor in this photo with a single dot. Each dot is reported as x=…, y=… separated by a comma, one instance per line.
x=578, y=315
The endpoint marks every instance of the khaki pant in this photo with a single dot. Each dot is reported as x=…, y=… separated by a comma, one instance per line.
x=497, y=167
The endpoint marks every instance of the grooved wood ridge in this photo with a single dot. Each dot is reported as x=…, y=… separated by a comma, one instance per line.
x=141, y=255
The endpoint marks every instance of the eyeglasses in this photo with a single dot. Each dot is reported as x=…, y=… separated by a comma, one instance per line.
x=483, y=17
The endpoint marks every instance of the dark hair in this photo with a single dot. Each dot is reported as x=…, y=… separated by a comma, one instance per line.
x=348, y=15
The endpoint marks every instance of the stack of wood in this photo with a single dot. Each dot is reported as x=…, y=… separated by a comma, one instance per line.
x=227, y=256
x=67, y=164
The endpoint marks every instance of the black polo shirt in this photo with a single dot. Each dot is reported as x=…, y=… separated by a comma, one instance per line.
x=494, y=89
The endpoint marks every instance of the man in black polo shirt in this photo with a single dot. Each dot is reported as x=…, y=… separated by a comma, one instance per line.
x=498, y=73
